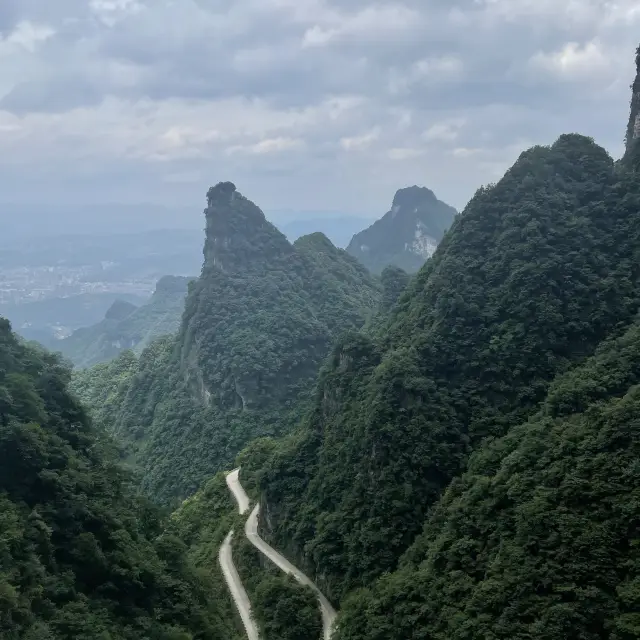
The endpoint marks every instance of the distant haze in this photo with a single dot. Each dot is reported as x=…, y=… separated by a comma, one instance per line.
x=20, y=220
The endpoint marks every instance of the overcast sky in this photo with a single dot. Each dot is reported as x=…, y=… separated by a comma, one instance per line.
x=304, y=104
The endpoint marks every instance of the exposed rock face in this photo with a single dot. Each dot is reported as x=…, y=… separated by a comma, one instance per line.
x=239, y=238
x=633, y=128
x=407, y=235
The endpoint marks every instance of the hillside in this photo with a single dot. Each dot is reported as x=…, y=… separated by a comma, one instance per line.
x=256, y=327
x=82, y=556
x=407, y=235
x=128, y=327
x=540, y=537
x=536, y=272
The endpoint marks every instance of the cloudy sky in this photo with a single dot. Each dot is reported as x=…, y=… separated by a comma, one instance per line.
x=304, y=104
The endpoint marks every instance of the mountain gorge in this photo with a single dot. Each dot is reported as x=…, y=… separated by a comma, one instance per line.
x=256, y=326
x=407, y=235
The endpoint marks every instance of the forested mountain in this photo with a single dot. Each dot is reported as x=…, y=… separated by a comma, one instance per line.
x=474, y=446
x=407, y=235
x=540, y=537
x=126, y=326
x=257, y=325
x=81, y=557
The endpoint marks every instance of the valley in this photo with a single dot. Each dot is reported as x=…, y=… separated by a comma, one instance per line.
x=433, y=434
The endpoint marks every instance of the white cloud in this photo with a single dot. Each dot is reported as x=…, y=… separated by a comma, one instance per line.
x=275, y=145
x=370, y=23
x=564, y=14
x=445, y=131
x=465, y=152
x=358, y=143
x=573, y=61
x=405, y=153
x=28, y=36
x=368, y=95
x=425, y=71
x=111, y=11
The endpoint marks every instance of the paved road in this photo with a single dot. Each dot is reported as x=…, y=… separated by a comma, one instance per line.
x=233, y=482
x=238, y=592
x=251, y=530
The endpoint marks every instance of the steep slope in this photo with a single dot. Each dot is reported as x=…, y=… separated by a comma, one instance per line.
x=333, y=278
x=632, y=138
x=540, y=538
x=80, y=555
x=533, y=275
x=256, y=326
x=128, y=327
x=407, y=235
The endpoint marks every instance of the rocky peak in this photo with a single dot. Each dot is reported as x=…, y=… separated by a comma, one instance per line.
x=238, y=236
x=633, y=127
x=316, y=240
x=412, y=197
x=407, y=235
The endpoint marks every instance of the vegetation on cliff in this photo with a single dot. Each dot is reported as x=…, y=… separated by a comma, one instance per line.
x=540, y=538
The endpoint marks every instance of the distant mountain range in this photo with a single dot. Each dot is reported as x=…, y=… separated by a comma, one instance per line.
x=126, y=326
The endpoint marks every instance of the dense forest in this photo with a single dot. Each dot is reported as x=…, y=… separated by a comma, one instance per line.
x=81, y=556
x=535, y=273
x=540, y=537
x=256, y=327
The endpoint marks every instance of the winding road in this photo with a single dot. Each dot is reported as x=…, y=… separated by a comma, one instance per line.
x=229, y=570
x=251, y=531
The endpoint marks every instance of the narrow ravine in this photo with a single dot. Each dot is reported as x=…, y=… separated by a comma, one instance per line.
x=229, y=571
x=251, y=531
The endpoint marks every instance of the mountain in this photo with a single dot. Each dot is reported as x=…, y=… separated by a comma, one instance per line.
x=407, y=235
x=256, y=327
x=83, y=556
x=128, y=327
x=539, y=537
x=339, y=229
x=469, y=468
